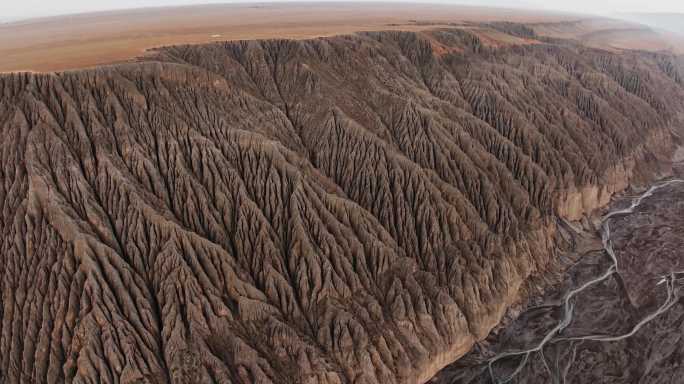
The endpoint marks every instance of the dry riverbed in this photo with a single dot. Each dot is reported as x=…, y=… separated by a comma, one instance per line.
x=608, y=321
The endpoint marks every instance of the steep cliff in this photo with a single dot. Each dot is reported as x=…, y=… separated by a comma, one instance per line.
x=354, y=209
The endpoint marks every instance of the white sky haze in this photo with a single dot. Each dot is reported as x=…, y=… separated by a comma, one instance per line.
x=20, y=9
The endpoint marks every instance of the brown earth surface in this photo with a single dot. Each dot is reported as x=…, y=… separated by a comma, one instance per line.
x=86, y=40
x=351, y=209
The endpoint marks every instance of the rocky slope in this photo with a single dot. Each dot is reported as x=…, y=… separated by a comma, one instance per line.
x=355, y=209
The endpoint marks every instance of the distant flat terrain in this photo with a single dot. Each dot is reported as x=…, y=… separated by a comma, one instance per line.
x=86, y=40
x=672, y=22
x=612, y=34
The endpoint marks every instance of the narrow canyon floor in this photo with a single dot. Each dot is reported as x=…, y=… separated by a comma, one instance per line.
x=626, y=328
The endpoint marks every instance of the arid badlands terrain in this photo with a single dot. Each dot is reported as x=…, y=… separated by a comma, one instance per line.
x=415, y=197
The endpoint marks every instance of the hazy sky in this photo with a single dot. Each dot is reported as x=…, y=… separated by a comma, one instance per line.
x=15, y=9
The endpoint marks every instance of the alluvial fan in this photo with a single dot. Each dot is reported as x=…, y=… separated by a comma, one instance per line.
x=355, y=209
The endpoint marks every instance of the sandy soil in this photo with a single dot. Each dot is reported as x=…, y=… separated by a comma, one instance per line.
x=77, y=41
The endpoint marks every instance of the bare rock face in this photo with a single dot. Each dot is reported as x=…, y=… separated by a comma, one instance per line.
x=354, y=209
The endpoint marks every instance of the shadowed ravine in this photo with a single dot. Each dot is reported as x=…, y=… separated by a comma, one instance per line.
x=512, y=366
x=670, y=281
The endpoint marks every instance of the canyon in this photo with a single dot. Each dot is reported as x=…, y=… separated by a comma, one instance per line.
x=359, y=208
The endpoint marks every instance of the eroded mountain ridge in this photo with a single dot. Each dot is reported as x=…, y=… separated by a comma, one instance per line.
x=354, y=209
